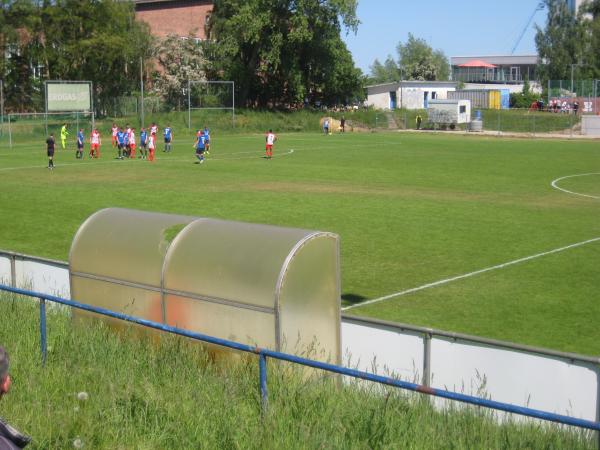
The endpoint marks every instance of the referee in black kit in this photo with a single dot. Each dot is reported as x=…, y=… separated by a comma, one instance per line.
x=50, y=151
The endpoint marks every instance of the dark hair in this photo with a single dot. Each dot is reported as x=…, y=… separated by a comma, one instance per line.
x=3, y=364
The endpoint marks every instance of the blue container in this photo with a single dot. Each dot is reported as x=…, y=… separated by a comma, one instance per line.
x=478, y=114
x=504, y=98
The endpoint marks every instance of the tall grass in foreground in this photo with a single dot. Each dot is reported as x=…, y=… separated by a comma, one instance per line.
x=167, y=393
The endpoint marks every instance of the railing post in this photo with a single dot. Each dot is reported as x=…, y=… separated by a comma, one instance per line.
x=43, y=340
x=262, y=366
x=13, y=271
x=498, y=123
x=427, y=360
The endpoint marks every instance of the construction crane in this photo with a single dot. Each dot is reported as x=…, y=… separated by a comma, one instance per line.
x=539, y=7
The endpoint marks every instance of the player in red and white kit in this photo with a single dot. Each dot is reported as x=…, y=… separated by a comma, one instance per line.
x=151, y=146
x=270, y=138
x=132, y=143
x=114, y=131
x=95, y=143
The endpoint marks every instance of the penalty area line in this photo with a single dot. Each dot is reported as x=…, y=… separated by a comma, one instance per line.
x=470, y=274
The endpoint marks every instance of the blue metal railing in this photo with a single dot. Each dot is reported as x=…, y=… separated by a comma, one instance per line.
x=263, y=353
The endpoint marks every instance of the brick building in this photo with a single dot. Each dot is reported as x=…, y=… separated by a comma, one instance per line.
x=178, y=17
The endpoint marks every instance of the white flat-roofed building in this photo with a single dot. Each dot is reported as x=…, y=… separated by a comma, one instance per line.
x=407, y=94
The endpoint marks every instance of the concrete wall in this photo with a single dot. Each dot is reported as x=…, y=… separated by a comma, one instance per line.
x=552, y=384
x=590, y=125
x=380, y=100
x=409, y=94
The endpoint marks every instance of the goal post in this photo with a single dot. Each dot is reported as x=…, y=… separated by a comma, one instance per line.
x=210, y=96
x=22, y=127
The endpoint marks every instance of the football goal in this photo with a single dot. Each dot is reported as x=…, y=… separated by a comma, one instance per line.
x=210, y=102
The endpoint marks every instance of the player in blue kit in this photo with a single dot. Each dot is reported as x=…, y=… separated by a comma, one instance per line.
x=206, y=132
x=120, y=143
x=200, y=146
x=168, y=135
x=143, y=143
x=127, y=149
x=80, y=140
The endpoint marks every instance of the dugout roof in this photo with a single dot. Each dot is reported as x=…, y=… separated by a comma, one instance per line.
x=261, y=285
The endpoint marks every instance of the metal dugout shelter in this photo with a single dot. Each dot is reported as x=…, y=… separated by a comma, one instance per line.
x=262, y=285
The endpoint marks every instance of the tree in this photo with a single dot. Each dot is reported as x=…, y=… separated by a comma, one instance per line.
x=281, y=52
x=180, y=60
x=386, y=72
x=560, y=44
x=62, y=40
x=418, y=61
x=591, y=23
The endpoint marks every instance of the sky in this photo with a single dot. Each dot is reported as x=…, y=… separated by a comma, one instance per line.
x=457, y=27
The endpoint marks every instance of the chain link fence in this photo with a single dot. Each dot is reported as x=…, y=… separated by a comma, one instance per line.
x=519, y=121
x=574, y=94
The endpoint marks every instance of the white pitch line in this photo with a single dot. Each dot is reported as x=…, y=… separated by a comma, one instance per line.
x=555, y=185
x=471, y=274
x=121, y=161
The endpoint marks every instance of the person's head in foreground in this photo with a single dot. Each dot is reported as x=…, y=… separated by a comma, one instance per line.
x=4, y=376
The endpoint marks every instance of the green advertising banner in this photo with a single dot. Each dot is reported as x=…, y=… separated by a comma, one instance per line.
x=62, y=96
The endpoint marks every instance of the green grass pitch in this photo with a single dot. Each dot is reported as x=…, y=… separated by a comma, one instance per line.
x=411, y=209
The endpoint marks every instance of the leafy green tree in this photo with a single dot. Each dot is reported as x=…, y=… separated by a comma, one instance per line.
x=418, y=61
x=591, y=23
x=440, y=60
x=561, y=43
x=96, y=40
x=282, y=52
x=384, y=73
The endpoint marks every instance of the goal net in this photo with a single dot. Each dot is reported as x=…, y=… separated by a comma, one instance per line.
x=27, y=129
x=211, y=103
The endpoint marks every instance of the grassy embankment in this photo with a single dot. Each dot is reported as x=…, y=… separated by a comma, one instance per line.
x=100, y=390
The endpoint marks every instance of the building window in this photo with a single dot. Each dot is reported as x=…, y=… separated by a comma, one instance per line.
x=462, y=109
x=515, y=74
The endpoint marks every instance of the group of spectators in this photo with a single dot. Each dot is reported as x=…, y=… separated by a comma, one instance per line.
x=556, y=106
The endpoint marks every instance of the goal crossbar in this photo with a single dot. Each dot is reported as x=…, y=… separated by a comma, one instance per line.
x=214, y=108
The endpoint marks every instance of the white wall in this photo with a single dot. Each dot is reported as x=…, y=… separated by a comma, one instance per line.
x=525, y=379
x=5, y=274
x=509, y=376
x=590, y=125
x=42, y=277
x=379, y=100
x=401, y=356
